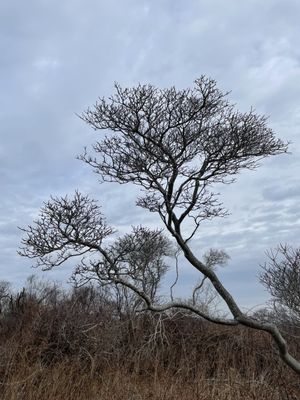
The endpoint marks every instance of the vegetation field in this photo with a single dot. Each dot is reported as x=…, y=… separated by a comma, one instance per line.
x=82, y=344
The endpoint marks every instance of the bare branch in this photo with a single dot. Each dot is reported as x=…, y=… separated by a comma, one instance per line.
x=66, y=228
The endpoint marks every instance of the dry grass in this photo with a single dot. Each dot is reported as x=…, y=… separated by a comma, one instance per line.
x=68, y=380
x=71, y=348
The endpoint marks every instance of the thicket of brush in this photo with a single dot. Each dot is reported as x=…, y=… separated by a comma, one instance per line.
x=82, y=345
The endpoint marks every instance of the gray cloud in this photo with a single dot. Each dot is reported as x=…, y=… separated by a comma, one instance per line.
x=58, y=57
x=280, y=191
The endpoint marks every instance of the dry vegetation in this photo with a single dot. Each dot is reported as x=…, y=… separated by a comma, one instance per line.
x=82, y=345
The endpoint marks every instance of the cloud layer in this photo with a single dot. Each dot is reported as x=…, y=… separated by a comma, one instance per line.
x=58, y=57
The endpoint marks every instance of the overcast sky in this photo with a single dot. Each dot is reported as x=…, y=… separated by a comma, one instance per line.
x=57, y=57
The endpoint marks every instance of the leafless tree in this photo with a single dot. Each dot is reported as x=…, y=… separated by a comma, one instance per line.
x=281, y=277
x=142, y=253
x=175, y=145
x=140, y=256
x=5, y=296
x=75, y=227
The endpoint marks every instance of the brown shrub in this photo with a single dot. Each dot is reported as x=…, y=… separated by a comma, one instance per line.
x=77, y=345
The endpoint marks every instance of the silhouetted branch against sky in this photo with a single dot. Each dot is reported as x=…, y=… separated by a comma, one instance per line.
x=176, y=144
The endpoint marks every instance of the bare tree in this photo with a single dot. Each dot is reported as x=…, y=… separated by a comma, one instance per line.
x=174, y=144
x=5, y=296
x=140, y=257
x=143, y=253
x=281, y=277
x=75, y=227
x=204, y=294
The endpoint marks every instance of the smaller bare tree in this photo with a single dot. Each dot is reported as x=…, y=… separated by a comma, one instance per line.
x=281, y=277
x=75, y=227
x=5, y=296
x=204, y=295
